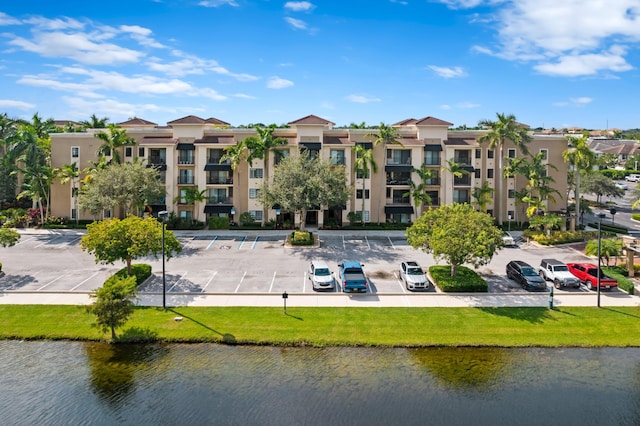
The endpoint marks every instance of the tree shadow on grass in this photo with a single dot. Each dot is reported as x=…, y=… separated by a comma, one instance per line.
x=137, y=335
x=227, y=338
x=625, y=312
x=528, y=314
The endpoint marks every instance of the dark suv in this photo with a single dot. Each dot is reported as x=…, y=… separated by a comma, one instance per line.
x=525, y=275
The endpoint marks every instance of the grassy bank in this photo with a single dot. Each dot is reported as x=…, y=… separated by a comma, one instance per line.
x=571, y=326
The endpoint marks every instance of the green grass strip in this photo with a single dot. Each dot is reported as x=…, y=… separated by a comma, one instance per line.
x=414, y=327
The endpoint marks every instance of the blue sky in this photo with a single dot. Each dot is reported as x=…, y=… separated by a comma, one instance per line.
x=552, y=63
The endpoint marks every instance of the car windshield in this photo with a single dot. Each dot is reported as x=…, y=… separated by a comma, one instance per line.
x=415, y=271
x=561, y=268
x=529, y=272
x=322, y=272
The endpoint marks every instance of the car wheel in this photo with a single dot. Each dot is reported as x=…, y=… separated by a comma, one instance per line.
x=542, y=276
x=589, y=285
x=557, y=285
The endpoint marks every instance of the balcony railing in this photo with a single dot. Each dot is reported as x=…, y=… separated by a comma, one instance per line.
x=432, y=181
x=186, y=161
x=404, y=201
x=219, y=181
x=186, y=180
x=398, y=181
x=155, y=160
x=219, y=200
x=216, y=160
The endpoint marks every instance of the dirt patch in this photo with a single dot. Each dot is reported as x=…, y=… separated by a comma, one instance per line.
x=380, y=274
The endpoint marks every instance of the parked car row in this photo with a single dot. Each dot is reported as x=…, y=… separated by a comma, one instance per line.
x=351, y=276
x=561, y=274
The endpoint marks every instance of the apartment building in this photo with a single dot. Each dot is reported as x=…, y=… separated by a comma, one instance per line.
x=187, y=153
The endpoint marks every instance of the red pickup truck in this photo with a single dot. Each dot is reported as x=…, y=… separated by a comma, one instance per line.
x=587, y=273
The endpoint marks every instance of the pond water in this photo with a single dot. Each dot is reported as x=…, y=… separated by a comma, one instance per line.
x=56, y=383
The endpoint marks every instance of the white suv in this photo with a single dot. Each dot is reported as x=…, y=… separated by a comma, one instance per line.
x=632, y=178
x=413, y=276
x=320, y=275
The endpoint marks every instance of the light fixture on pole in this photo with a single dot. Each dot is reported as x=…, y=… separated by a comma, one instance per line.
x=163, y=216
x=600, y=217
x=510, y=219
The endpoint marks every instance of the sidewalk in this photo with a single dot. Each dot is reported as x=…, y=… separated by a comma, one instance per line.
x=432, y=300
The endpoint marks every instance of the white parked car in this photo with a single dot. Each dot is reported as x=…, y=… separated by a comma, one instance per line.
x=413, y=276
x=622, y=185
x=320, y=275
x=632, y=178
x=507, y=240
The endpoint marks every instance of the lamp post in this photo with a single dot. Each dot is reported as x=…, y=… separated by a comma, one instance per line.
x=163, y=216
x=510, y=219
x=600, y=217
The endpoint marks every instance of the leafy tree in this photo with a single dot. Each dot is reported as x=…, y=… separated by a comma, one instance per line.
x=632, y=162
x=128, y=186
x=385, y=135
x=599, y=185
x=127, y=239
x=95, y=123
x=235, y=154
x=70, y=173
x=581, y=159
x=609, y=247
x=504, y=129
x=363, y=165
x=546, y=222
x=191, y=195
x=446, y=233
x=608, y=161
x=8, y=237
x=300, y=183
x=113, y=303
x=113, y=141
x=482, y=195
x=538, y=188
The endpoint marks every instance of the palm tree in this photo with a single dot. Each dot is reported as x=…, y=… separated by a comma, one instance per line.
x=66, y=173
x=95, y=123
x=420, y=198
x=500, y=131
x=192, y=195
x=538, y=188
x=386, y=135
x=113, y=141
x=8, y=157
x=41, y=127
x=581, y=159
x=482, y=195
x=364, y=163
x=457, y=170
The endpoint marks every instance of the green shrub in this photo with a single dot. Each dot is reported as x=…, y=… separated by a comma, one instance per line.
x=560, y=237
x=635, y=216
x=141, y=271
x=301, y=238
x=618, y=229
x=218, y=222
x=620, y=273
x=354, y=217
x=246, y=219
x=0, y=266
x=465, y=281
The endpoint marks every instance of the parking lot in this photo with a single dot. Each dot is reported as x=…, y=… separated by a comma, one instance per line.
x=245, y=262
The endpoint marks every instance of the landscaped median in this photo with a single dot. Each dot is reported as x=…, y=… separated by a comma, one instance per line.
x=414, y=327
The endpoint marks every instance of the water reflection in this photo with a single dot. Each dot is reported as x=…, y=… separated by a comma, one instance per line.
x=90, y=383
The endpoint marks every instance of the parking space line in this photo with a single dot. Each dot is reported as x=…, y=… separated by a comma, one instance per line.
x=84, y=281
x=179, y=279
x=367, y=240
x=272, y=281
x=344, y=245
x=49, y=241
x=209, y=281
x=24, y=241
x=51, y=282
x=304, y=282
x=212, y=242
x=391, y=242
x=400, y=283
x=242, y=242
x=241, y=279
x=189, y=241
x=253, y=246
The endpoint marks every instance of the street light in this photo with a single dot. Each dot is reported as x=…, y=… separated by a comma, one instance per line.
x=163, y=216
x=600, y=217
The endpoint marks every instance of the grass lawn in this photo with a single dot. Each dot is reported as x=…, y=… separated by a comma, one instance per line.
x=509, y=327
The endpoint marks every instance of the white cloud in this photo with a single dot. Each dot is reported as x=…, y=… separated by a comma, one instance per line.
x=402, y=2
x=465, y=4
x=297, y=24
x=360, y=99
x=278, y=83
x=190, y=64
x=13, y=104
x=109, y=107
x=218, y=3
x=581, y=101
x=8, y=20
x=243, y=96
x=47, y=24
x=445, y=107
x=575, y=102
x=564, y=38
x=299, y=6
x=141, y=35
x=467, y=105
x=448, y=72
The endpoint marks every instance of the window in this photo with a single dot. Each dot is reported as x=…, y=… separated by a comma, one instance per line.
x=490, y=153
x=545, y=154
x=364, y=216
x=511, y=214
x=460, y=196
x=186, y=157
x=359, y=194
x=512, y=193
x=477, y=174
x=279, y=155
x=478, y=153
x=432, y=158
x=254, y=192
x=462, y=156
x=219, y=196
x=140, y=151
x=489, y=173
x=398, y=156
x=337, y=157
x=256, y=214
x=362, y=175
x=128, y=151
x=183, y=197
x=75, y=151
x=511, y=153
x=185, y=177
x=256, y=173
x=186, y=215
x=158, y=156
x=435, y=197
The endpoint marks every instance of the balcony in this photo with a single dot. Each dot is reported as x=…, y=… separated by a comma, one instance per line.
x=217, y=180
x=219, y=200
x=216, y=160
x=398, y=178
x=432, y=182
x=157, y=161
x=186, y=180
x=186, y=161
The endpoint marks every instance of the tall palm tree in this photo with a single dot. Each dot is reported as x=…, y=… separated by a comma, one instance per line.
x=113, y=142
x=43, y=127
x=416, y=191
x=457, y=170
x=504, y=129
x=192, y=195
x=385, y=135
x=538, y=187
x=581, y=159
x=363, y=164
x=8, y=157
x=70, y=173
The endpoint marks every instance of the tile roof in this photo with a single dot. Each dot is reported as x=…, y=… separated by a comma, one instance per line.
x=213, y=120
x=137, y=122
x=432, y=121
x=312, y=119
x=335, y=140
x=216, y=139
x=407, y=122
x=149, y=140
x=460, y=141
x=189, y=119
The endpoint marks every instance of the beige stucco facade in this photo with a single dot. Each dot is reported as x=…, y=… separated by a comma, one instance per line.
x=187, y=154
